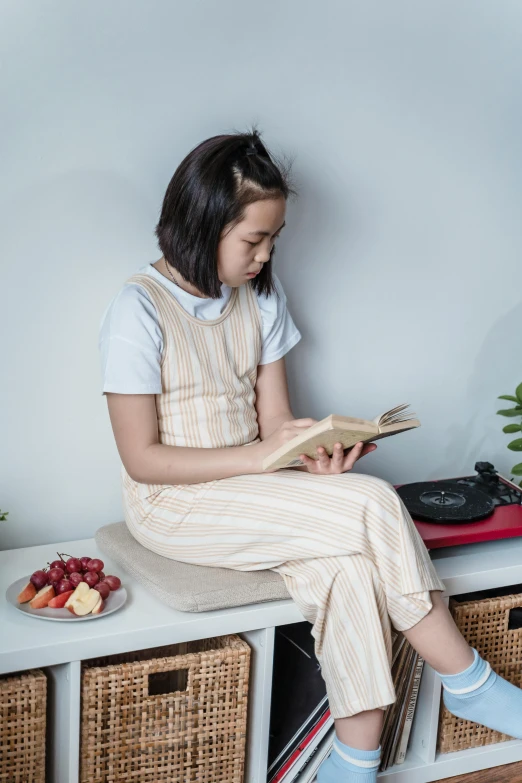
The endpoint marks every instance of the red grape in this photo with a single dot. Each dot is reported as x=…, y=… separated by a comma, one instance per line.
x=55, y=574
x=95, y=565
x=101, y=575
x=58, y=564
x=75, y=578
x=92, y=578
x=39, y=579
x=103, y=589
x=63, y=585
x=113, y=581
x=84, y=561
x=73, y=564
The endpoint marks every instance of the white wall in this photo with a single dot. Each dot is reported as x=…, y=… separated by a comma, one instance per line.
x=401, y=259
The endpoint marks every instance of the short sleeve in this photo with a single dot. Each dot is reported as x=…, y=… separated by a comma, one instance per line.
x=280, y=334
x=131, y=343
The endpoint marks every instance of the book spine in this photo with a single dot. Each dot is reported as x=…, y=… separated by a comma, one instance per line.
x=403, y=745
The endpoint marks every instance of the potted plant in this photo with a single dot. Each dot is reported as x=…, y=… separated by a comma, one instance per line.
x=515, y=412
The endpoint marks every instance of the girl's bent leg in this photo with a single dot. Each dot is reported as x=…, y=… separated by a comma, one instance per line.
x=344, y=600
x=361, y=731
x=439, y=641
x=472, y=691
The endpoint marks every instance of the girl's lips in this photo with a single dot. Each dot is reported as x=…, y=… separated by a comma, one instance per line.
x=252, y=274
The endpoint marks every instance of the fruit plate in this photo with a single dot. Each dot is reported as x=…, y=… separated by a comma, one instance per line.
x=114, y=602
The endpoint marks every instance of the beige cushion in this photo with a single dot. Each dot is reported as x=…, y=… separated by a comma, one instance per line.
x=189, y=588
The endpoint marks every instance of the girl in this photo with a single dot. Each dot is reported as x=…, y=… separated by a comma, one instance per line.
x=192, y=353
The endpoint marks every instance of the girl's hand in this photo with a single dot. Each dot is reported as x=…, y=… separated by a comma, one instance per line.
x=339, y=462
x=285, y=432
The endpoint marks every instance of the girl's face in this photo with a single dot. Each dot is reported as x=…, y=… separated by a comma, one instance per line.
x=246, y=247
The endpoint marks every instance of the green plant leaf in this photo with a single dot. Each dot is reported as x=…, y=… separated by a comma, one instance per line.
x=509, y=397
x=511, y=412
x=520, y=483
x=512, y=428
x=515, y=445
x=517, y=469
x=518, y=392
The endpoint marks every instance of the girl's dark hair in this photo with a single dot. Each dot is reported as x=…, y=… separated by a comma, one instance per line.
x=208, y=193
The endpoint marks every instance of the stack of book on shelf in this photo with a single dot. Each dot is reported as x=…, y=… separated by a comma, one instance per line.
x=398, y=719
x=301, y=727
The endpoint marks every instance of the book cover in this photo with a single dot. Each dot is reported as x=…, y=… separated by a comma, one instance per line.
x=293, y=765
x=308, y=771
x=298, y=692
x=403, y=743
x=402, y=673
x=340, y=429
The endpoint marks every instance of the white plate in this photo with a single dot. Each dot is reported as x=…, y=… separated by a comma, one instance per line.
x=114, y=602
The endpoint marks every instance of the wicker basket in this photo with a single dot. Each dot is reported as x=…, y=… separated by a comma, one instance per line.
x=484, y=624
x=23, y=699
x=176, y=713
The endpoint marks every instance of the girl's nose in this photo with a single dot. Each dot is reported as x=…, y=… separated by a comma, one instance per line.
x=263, y=255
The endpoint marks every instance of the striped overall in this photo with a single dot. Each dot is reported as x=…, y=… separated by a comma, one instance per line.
x=345, y=545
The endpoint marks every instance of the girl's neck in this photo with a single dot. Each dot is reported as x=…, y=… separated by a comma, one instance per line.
x=174, y=276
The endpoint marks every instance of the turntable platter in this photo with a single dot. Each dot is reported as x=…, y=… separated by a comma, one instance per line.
x=445, y=502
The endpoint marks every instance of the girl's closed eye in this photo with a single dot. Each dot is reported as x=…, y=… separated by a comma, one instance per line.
x=256, y=243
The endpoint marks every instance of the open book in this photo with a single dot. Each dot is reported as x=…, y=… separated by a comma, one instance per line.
x=340, y=429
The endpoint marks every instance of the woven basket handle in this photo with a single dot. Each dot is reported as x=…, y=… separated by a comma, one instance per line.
x=171, y=679
x=514, y=616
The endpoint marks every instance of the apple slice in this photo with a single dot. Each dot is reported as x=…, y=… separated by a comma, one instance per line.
x=98, y=607
x=42, y=597
x=84, y=602
x=27, y=594
x=81, y=589
x=59, y=601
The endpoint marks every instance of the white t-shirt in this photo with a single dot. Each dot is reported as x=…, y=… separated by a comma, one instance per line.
x=131, y=341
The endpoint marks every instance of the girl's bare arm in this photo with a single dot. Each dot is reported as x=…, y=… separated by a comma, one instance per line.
x=147, y=461
x=272, y=398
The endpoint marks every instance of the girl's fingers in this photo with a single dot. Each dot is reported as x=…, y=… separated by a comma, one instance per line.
x=339, y=462
x=338, y=455
x=323, y=457
x=303, y=422
x=352, y=456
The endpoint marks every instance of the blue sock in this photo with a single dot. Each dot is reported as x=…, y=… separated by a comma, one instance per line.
x=349, y=765
x=480, y=695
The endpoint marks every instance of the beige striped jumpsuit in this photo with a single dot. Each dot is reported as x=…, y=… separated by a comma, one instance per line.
x=345, y=545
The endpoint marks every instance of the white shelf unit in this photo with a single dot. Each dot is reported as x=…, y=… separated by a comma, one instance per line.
x=59, y=648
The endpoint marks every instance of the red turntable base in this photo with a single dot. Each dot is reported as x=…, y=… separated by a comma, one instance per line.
x=439, y=509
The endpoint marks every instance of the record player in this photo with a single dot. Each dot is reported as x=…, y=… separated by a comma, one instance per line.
x=465, y=510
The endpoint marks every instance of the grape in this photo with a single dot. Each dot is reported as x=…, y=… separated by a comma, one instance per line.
x=92, y=578
x=39, y=579
x=101, y=575
x=55, y=574
x=73, y=565
x=113, y=581
x=58, y=564
x=84, y=561
x=95, y=565
x=75, y=578
x=63, y=586
x=103, y=589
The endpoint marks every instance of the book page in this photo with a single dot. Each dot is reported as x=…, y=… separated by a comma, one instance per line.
x=394, y=416
x=290, y=457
